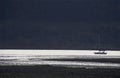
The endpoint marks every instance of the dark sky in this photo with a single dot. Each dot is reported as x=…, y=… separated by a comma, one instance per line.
x=60, y=24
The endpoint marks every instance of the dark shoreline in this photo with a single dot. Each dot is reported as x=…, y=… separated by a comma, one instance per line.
x=46, y=71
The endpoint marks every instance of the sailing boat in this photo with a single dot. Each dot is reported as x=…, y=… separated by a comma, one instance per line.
x=100, y=51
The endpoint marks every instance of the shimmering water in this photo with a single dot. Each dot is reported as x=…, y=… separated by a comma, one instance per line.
x=41, y=60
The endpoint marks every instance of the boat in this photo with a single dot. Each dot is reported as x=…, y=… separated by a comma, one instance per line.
x=100, y=50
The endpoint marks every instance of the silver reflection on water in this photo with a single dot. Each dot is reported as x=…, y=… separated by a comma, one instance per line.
x=40, y=60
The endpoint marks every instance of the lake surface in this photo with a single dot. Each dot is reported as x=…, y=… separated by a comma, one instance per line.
x=38, y=57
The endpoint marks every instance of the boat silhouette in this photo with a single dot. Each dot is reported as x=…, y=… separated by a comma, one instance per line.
x=100, y=50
